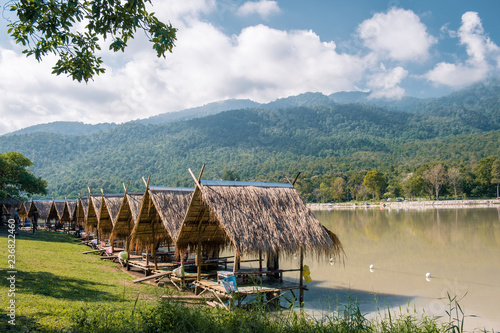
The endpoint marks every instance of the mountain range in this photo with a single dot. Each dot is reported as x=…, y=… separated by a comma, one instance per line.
x=317, y=134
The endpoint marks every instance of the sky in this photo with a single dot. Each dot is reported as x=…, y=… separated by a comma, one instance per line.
x=263, y=50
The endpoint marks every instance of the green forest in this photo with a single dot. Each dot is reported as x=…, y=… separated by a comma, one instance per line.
x=446, y=147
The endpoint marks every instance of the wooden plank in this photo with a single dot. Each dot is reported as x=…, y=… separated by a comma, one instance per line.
x=94, y=251
x=152, y=277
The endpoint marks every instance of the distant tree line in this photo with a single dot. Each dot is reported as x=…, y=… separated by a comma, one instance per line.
x=434, y=181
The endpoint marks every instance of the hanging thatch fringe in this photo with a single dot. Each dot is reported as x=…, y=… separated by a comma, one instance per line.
x=252, y=218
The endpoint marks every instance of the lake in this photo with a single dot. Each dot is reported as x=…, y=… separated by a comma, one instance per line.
x=460, y=248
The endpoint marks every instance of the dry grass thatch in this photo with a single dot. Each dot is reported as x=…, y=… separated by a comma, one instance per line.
x=127, y=215
x=253, y=217
x=161, y=214
x=46, y=209
x=110, y=205
x=82, y=210
x=62, y=210
x=93, y=212
x=72, y=209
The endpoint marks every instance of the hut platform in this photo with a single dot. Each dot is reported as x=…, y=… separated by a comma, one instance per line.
x=269, y=293
x=141, y=265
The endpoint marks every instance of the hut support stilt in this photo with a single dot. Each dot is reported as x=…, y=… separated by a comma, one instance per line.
x=301, y=279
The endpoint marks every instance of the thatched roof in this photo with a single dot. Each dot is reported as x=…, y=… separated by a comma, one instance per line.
x=72, y=209
x=110, y=205
x=127, y=215
x=10, y=205
x=9, y=202
x=46, y=209
x=62, y=210
x=93, y=212
x=253, y=217
x=161, y=214
x=82, y=210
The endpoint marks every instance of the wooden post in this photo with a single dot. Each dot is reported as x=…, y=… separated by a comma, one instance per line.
x=147, y=256
x=153, y=253
x=236, y=261
x=153, y=249
x=260, y=262
x=301, y=277
x=182, y=269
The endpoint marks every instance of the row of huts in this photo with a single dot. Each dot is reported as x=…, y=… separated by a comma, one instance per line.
x=248, y=218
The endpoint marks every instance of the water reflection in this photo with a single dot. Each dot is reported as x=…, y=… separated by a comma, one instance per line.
x=390, y=252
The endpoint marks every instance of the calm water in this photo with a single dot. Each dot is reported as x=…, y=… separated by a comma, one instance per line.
x=459, y=247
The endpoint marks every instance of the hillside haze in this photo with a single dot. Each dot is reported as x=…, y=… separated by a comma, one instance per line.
x=312, y=133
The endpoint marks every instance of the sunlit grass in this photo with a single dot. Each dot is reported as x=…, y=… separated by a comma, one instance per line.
x=54, y=278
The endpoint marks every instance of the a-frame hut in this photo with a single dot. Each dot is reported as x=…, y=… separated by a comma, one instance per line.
x=110, y=205
x=253, y=218
x=82, y=211
x=160, y=216
x=46, y=211
x=73, y=212
x=94, y=207
x=127, y=217
x=62, y=212
x=9, y=205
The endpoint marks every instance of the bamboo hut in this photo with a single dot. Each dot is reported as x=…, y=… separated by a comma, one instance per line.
x=62, y=212
x=82, y=211
x=110, y=205
x=127, y=217
x=46, y=210
x=160, y=217
x=10, y=205
x=73, y=212
x=92, y=221
x=253, y=218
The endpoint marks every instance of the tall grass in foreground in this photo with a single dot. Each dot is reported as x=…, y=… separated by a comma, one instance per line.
x=173, y=317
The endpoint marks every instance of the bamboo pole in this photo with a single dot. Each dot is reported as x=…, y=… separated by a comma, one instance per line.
x=260, y=260
x=236, y=261
x=301, y=277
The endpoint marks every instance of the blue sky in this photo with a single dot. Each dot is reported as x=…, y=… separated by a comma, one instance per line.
x=263, y=50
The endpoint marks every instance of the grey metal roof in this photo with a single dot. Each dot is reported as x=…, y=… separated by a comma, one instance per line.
x=165, y=188
x=240, y=183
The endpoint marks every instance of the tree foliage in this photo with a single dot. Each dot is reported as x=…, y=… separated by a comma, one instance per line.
x=15, y=177
x=375, y=182
x=54, y=26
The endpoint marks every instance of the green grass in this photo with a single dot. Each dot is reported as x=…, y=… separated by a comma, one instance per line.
x=60, y=289
x=54, y=278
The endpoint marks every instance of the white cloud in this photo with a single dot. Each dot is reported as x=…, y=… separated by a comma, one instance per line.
x=260, y=63
x=385, y=83
x=397, y=34
x=263, y=8
x=481, y=52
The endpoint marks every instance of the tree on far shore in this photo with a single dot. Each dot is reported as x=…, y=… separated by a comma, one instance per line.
x=375, y=182
x=495, y=175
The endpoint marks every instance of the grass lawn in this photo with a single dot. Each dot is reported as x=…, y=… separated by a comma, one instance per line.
x=54, y=280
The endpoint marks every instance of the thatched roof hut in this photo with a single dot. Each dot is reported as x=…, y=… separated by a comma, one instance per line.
x=127, y=215
x=110, y=205
x=94, y=206
x=161, y=215
x=72, y=209
x=82, y=210
x=62, y=210
x=253, y=217
x=46, y=209
x=10, y=205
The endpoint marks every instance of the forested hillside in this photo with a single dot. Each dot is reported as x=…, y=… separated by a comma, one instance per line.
x=324, y=142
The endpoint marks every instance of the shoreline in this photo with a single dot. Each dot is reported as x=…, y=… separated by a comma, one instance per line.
x=419, y=204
